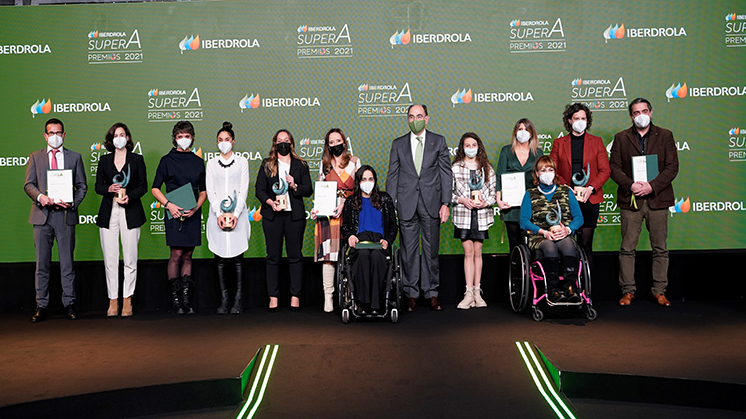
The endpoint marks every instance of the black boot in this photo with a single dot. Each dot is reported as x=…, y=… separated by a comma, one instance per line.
x=570, y=279
x=186, y=282
x=176, y=307
x=237, y=309
x=551, y=270
x=223, y=309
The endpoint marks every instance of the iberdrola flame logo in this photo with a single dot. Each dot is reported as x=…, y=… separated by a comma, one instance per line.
x=96, y=146
x=614, y=32
x=400, y=38
x=255, y=215
x=516, y=22
x=363, y=87
x=153, y=92
x=734, y=131
x=156, y=205
x=41, y=107
x=463, y=96
x=249, y=102
x=678, y=91
x=191, y=43
x=731, y=16
x=198, y=152
x=680, y=206
x=302, y=28
x=93, y=34
x=577, y=82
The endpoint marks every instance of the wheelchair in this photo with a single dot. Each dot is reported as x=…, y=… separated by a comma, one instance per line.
x=527, y=279
x=346, y=287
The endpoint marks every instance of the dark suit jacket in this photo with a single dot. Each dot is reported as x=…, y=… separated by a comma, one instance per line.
x=660, y=142
x=36, y=184
x=433, y=182
x=136, y=188
x=299, y=172
x=594, y=153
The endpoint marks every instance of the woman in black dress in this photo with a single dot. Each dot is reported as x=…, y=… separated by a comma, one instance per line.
x=283, y=213
x=184, y=230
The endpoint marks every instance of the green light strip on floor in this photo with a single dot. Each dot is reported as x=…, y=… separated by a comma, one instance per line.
x=253, y=386
x=264, y=384
x=548, y=383
x=536, y=381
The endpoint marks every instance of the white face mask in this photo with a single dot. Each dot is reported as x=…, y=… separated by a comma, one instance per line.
x=547, y=178
x=522, y=136
x=367, y=187
x=120, y=142
x=642, y=120
x=225, y=147
x=579, y=125
x=471, y=152
x=54, y=141
x=184, y=143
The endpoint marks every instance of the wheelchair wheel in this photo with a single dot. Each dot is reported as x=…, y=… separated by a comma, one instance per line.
x=585, y=275
x=519, y=278
x=537, y=315
x=591, y=314
x=345, y=316
x=394, y=315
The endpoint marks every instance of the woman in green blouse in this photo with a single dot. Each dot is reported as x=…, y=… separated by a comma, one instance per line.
x=519, y=156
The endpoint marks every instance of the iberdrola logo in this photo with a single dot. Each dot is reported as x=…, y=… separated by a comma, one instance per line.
x=516, y=22
x=43, y=107
x=680, y=206
x=156, y=205
x=198, y=152
x=614, y=32
x=577, y=82
x=676, y=92
x=255, y=215
x=302, y=28
x=731, y=16
x=153, y=92
x=363, y=87
x=96, y=146
x=93, y=34
x=191, y=43
x=305, y=141
x=461, y=97
x=249, y=102
x=734, y=131
x=400, y=38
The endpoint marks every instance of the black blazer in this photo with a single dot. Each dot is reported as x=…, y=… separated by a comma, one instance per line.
x=351, y=219
x=137, y=187
x=299, y=172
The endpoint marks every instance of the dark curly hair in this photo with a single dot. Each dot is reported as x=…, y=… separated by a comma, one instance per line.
x=571, y=109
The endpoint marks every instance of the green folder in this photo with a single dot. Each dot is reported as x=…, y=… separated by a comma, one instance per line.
x=651, y=166
x=183, y=196
x=368, y=245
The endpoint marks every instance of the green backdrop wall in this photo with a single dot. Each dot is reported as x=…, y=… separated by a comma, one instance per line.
x=312, y=65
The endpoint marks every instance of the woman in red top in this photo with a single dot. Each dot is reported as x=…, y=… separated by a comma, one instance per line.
x=582, y=164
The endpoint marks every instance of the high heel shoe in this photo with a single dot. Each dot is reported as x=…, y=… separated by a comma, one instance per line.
x=295, y=300
x=276, y=307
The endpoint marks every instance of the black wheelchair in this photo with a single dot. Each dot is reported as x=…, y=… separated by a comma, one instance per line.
x=527, y=279
x=346, y=287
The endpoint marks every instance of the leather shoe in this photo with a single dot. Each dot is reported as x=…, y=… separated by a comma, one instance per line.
x=412, y=304
x=40, y=315
x=70, y=313
x=434, y=304
x=627, y=299
x=662, y=300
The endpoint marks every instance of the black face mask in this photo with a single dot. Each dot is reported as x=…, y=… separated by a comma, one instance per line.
x=283, y=148
x=337, y=150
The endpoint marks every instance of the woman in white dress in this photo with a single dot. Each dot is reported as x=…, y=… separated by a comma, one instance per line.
x=228, y=228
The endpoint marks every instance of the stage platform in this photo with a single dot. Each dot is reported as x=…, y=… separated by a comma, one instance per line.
x=450, y=364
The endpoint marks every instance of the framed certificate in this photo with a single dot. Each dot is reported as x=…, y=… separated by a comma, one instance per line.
x=644, y=168
x=60, y=185
x=325, y=198
x=514, y=187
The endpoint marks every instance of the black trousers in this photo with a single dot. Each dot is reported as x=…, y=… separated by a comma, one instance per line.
x=369, y=269
x=283, y=226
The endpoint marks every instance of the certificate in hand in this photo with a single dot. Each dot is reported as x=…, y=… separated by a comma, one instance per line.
x=644, y=168
x=60, y=185
x=514, y=187
x=325, y=198
x=183, y=197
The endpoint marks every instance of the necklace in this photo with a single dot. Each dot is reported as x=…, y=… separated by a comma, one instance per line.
x=554, y=187
x=225, y=166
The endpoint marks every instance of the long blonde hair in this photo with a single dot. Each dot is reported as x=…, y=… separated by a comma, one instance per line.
x=533, y=142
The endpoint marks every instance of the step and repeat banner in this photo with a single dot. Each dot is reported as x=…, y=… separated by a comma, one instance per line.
x=309, y=66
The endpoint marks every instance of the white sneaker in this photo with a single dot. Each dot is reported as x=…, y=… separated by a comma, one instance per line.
x=468, y=300
x=478, y=301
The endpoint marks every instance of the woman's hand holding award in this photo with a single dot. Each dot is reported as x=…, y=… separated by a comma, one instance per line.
x=227, y=206
x=281, y=189
x=476, y=182
x=580, y=180
x=555, y=225
x=121, y=179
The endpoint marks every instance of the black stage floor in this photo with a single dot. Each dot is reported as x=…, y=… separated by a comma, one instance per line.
x=450, y=364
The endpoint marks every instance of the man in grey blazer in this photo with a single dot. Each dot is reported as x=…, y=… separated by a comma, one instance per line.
x=419, y=180
x=54, y=219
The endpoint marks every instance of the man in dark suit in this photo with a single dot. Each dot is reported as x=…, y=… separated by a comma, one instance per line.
x=644, y=200
x=419, y=180
x=53, y=219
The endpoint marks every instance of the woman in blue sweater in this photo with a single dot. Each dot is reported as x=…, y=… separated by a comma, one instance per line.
x=551, y=214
